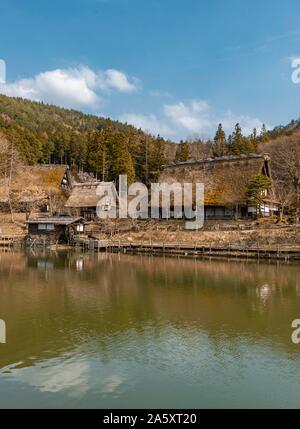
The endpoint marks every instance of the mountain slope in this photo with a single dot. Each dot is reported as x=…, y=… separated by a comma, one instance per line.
x=44, y=133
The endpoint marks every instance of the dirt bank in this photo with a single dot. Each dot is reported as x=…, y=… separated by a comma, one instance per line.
x=215, y=233
x=250, y=234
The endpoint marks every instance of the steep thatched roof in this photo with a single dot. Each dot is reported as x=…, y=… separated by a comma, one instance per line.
x=56, y=220
x=225, y=178
x=85, y=194
x=34, y=183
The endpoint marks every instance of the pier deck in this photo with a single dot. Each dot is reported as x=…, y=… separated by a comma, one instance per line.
x=192, y=249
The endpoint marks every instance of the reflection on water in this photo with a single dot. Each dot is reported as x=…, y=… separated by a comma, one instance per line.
x=97, y=330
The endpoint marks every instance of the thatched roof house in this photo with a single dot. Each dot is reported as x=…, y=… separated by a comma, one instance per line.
x=225, y=180
x=36, y=184
x=85, y=197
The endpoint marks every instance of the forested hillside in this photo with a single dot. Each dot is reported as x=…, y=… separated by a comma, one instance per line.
x=44, y=133
x=34, y=132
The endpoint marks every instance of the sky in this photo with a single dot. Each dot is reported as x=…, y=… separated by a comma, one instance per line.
x=172, y=67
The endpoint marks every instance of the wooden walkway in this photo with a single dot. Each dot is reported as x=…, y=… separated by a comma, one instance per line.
x=191, y=249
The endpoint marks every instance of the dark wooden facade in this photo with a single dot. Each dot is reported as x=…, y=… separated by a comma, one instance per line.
x=55, y=229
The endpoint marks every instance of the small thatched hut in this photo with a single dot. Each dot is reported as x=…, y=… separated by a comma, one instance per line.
x=226, y=180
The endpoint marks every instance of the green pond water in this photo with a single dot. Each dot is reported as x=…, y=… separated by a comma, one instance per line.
x=120, y=331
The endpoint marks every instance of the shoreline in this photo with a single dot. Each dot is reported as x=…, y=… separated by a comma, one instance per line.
x=182, y=250
x=230, y=240
x=230, y=255
x=196, y=251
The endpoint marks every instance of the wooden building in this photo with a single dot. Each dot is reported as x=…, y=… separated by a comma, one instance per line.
x=226, y=180
x=55, y=229
x=85, y=197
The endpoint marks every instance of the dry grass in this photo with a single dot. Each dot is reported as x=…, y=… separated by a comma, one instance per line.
x=18, y=227
x=263, y=235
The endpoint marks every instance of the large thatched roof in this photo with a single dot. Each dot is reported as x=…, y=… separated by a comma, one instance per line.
x=34, y=183
x=85, y=194
x=225, y=178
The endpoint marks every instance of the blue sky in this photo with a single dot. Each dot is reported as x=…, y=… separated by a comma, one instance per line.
x=174, y=67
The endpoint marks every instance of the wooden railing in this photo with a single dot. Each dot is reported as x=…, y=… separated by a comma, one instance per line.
x=193, y=249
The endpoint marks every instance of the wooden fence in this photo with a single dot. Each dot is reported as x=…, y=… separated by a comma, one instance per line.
x=192, y=249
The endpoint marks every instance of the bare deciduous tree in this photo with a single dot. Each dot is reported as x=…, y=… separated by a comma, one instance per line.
x=9, y=163
x=285, y=195
x=285, y=154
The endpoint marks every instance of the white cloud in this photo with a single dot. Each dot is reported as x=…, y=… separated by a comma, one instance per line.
x=247, y=123
x=73, y=87
x=118, y=80
x=149, y=123
x=81, y=87
x=193, y=118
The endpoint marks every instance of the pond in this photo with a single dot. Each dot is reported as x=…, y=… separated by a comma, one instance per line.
x=88, y=330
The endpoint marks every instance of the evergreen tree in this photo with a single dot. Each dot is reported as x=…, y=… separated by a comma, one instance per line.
x=239, y=144
x=229, y=144
x=264, y=136
x=141, y=156
x=253, y=136
x=258, y=185
x=183, y=152
x=219, y=145
x=120, y=159
x=47, y=151
x=96, y=157
x=237, y=140
x=157, y=159
x=254, y=140
x=60, y=139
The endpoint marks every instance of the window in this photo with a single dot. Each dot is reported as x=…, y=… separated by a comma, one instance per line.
x=46, y=227
x=79, y=228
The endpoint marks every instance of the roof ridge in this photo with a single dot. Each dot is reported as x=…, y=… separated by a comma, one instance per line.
x=264, y=155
